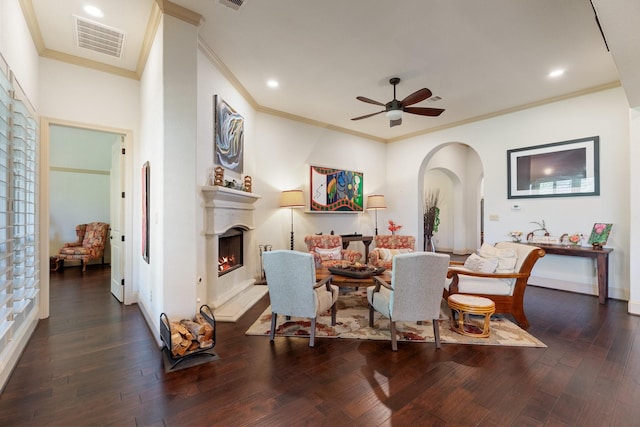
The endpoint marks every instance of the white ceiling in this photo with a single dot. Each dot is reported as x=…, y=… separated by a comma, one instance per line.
x=480, y=57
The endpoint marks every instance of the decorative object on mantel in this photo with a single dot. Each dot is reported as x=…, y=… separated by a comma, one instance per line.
x=393, y=227
x=292, y=199
x=218, y=176
x=431, y=218
x=247, y=184
x=541, y=227
x=516, y=236
x=600, y=234
x=375, y=202
x=234, y=185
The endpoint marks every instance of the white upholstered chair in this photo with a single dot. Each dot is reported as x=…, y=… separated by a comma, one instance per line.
x=414, y=294
x=505, y=285
x=293, y=291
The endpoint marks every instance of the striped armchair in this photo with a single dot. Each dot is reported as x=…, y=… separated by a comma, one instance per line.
x=90, y=244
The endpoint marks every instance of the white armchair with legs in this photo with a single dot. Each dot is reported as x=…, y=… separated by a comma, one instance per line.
x=293, y=291
x=414, y=294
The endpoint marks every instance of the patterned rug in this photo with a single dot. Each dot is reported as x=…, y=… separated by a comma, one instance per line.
x=353, y=322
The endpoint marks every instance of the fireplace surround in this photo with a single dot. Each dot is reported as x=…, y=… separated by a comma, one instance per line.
x=230, y=212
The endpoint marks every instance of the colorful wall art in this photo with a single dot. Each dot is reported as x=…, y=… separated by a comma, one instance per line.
x=229, y=136
x=335, y=190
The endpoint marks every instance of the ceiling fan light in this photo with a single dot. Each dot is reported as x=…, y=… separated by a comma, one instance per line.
x=394, y=114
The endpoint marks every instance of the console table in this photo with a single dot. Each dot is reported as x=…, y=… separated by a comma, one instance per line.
x=600, y=255
x=366, y=240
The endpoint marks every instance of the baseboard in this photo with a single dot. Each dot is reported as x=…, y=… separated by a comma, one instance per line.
x=634, y=307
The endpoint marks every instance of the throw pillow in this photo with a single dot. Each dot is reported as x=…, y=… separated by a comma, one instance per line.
x=388, y=254
x=481, y=265
x=330, y=253
x=506, y=257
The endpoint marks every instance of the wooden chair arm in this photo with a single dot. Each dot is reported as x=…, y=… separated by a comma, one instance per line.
x=381, y=282
x=324, y=282
x=455, y=271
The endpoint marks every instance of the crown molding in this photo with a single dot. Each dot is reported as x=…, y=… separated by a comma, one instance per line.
x=32, y=23
x=180, y=12
x=88, y=63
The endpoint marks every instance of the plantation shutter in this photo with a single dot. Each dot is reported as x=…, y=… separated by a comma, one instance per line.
x=19, y=220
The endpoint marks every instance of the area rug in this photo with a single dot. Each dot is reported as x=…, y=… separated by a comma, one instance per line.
x=352, y=322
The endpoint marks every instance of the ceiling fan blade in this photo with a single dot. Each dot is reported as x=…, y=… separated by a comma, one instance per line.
x=417, y=96
x=370, y=101
x=423, y=111
x=393, y=123
x=368, y=115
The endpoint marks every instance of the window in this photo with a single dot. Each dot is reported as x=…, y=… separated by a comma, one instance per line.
x=19, y=225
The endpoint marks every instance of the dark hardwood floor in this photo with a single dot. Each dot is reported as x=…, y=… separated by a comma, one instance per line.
x=94, y=362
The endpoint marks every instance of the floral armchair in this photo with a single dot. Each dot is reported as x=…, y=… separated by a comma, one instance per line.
x=327, y=250
x=90, y=244
x=388, y=246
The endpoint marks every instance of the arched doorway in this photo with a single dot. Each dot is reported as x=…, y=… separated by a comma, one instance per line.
x=455, y=172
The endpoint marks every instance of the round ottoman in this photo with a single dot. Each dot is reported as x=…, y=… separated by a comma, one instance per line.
x=464, y=305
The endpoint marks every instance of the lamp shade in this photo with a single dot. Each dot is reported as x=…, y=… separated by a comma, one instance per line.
x=376, y=201
x=292, y=199
x=394, y=114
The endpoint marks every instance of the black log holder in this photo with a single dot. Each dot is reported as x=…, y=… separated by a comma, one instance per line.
x=207, y=352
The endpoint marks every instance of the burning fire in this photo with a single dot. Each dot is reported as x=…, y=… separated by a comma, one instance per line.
x=225, y=263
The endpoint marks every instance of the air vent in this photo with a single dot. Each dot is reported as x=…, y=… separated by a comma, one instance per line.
x=98, y=38
x=233, y=4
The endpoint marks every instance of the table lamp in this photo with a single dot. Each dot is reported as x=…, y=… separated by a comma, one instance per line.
x=375, y=202
x=292, y=199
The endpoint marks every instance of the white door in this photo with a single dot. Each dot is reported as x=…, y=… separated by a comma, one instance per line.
x=116, y=219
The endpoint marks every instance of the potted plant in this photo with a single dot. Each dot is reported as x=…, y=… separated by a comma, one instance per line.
x=431, y=218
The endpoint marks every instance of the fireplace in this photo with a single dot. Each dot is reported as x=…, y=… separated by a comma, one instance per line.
x=231, y=254
x=230, y=250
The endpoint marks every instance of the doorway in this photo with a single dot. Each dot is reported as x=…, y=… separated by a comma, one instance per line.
x=80, y=178
x=454, y=170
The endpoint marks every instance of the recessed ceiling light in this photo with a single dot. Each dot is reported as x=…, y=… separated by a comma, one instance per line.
x=556, y=73
x=93, y=11
x=273, y=83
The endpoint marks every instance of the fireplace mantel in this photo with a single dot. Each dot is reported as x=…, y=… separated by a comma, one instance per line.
x=230, y=295
x=227, y=208
x=215, y=193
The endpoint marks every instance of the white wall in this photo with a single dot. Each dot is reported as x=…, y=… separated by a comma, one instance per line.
x=148, y=277
x=634, y=220
x=603, y=113
x=18, y=49
x=80, y=161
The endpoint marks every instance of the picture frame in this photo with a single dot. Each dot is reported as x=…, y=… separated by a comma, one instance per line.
x=335, y=190
x=228, y=147
x=600, y=234
x=146, y=204
x=559, y=169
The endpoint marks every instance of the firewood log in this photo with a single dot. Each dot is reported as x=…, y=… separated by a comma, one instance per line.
x=194, y=346
x=208, y=329
x=193, y=327
x=177, y=327
x=206, y=344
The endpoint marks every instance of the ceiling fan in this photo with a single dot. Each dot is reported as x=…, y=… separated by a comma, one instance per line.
x=395, y=108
